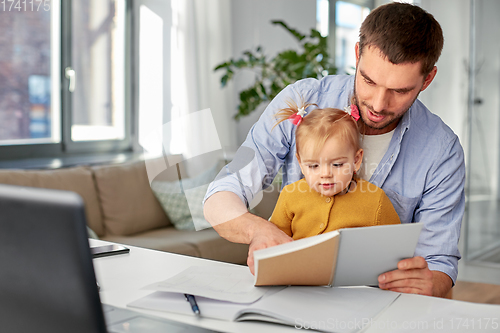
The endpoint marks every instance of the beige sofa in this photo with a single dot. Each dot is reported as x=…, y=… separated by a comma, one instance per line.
x=121, y=207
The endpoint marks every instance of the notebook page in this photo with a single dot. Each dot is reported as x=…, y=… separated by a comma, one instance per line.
x=327, y=309
x=232, y=283
x=176, y=303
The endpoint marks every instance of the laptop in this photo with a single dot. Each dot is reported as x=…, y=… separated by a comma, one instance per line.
x=47, y=280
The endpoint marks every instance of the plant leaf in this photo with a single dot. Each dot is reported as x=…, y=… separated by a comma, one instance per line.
x=223, y=65
x=294, y=32
x=223, y=80
x=312, y=60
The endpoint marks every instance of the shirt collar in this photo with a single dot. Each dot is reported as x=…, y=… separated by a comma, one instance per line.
x=404, y=123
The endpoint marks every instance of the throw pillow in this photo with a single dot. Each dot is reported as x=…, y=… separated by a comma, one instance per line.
x=182, y=200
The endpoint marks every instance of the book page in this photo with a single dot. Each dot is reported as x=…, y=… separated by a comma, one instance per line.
x=433, y=314
x=326, y=309
x=323, y=308
x=231, y=283
x=176, y=303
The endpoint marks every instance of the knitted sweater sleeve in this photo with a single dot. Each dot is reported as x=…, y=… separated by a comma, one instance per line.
x=386, y=214
x=281, y=216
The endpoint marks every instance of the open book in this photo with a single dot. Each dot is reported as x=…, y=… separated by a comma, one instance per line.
x=326, y=309
x=346, y=257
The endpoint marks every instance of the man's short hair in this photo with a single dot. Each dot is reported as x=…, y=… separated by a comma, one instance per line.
x=404, y=33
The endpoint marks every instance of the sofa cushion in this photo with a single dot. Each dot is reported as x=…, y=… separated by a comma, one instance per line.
x=204, y=244
x=182, y=200
x=78, y=179
x=128, y=204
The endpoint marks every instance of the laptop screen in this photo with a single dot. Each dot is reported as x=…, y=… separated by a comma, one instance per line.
x=47, y=281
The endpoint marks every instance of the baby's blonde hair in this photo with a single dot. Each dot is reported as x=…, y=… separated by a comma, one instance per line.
x=320, y=125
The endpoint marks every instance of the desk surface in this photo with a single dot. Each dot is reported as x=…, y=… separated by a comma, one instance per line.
x=122, y=277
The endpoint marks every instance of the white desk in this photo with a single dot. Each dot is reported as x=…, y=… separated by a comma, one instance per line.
x=122, y=277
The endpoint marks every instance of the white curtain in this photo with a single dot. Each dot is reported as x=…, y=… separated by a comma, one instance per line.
x=201, y=39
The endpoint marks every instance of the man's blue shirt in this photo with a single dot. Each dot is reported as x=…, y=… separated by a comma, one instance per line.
x=422, y=172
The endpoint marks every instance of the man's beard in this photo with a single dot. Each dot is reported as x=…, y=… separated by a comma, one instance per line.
x=355, y=100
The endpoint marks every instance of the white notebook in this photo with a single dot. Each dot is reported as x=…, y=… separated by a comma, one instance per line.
x=322, y=308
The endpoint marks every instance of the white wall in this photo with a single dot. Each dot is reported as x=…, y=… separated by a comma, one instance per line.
x=447, y=96
x=251, y=21
x=381, y=2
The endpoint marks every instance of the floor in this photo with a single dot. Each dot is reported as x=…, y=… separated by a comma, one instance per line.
x=476, y=292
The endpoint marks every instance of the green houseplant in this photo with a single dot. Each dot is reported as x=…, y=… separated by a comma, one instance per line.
x=272, y=75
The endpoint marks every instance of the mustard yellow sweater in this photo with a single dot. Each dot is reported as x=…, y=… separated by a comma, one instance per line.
x=302, y=212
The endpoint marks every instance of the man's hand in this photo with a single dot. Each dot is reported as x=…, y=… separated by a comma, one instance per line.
x=265, y=235
x=230, y=218
x=413, y=276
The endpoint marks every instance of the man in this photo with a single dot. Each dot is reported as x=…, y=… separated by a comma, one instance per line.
x=411, y=154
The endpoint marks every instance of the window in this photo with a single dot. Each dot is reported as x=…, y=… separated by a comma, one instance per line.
x=343, y=19
x=98, y=70
x=29, y=49
x=64, y=77
x=348, y=19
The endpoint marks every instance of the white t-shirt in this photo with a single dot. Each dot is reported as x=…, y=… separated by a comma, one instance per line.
x=374, y=148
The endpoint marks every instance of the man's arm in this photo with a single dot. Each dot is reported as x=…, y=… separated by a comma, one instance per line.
x=441, y=210
x=230, y=218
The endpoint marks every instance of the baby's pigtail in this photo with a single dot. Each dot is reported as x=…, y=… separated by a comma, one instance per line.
x=292, y=112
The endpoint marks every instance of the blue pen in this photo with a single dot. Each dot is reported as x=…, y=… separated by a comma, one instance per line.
x=194, y=305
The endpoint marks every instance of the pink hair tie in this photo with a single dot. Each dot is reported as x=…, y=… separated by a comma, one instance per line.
x=355, y=112
x=296, y=118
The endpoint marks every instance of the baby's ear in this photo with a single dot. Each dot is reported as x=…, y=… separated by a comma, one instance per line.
x=300, y=164
x=358, y=158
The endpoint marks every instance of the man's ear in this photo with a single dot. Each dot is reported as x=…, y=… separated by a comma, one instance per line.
x=358, y=158
x=429, y=78
x=356, y=50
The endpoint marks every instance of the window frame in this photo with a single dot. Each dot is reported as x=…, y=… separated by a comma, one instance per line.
x=67, y=147
x=332, y=24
